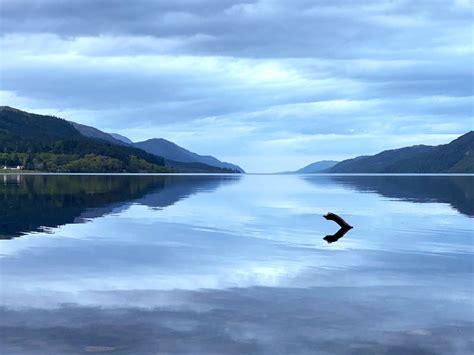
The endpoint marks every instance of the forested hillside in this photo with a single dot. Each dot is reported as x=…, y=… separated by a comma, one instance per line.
x=51, y=144
x=455, y=157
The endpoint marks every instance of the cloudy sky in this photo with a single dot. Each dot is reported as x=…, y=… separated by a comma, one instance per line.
x=271, y=85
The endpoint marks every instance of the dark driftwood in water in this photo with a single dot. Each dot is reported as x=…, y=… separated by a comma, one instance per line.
x=345, y=227
x=334, y=217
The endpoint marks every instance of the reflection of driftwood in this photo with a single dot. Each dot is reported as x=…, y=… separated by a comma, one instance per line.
x=345, y=227
x=335, y=237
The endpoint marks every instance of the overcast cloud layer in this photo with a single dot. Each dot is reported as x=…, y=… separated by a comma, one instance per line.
x=271, y=85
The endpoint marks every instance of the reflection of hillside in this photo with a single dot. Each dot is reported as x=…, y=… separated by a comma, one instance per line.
x=458, y=191
x=33, y=202
x=175, y=188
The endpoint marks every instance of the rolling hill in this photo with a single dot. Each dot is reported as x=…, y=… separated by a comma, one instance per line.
x=121, y=138
x=174, y=153
x=454, y=157
x=175, y=156
x=317, y=167
x=52, y=144
x=92, y=132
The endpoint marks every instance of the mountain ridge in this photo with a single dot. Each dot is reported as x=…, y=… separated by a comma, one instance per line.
x=317, y=167
x=48, y=143
x=93, y=132
x=172, y=151
x=454, y=157
x=121, y=138
x=53, y=144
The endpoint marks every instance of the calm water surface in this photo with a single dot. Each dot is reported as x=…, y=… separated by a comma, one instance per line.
x=236, y=265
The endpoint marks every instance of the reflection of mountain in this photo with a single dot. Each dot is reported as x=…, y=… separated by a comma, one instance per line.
x=34, y=202
x=458, y=191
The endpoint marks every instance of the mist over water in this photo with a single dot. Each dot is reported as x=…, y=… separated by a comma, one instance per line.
x=236, y=265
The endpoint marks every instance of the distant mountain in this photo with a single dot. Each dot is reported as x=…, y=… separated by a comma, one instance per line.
x=175, y=156
x=317, y=167
x=48, y=143
x=121, y=138
x=173, y=152
x=455, y=157
x=92, y=132
x=52, y=144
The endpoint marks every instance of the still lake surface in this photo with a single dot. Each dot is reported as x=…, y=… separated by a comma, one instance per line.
x=236, y=265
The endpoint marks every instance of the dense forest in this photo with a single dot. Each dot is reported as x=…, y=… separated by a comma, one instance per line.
x=51, y=144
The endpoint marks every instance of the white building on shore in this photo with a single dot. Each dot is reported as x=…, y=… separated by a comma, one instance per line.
x=18, y=167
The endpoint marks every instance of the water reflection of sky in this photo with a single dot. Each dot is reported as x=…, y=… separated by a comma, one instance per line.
x=242, y=267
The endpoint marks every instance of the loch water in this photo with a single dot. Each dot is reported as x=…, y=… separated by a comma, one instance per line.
x=236, y=264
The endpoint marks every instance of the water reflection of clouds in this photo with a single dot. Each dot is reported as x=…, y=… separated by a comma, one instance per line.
x=170, y=257
x=253, y=321
x=240, y=271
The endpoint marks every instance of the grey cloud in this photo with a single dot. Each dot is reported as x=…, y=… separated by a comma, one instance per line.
x=248, y=28
x=188, y=93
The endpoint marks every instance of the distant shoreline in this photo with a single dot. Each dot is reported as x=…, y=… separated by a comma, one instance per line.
x=114, y=174
x=23, y=172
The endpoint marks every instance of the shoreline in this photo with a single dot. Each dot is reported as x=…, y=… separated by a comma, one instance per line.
x=13, y=172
